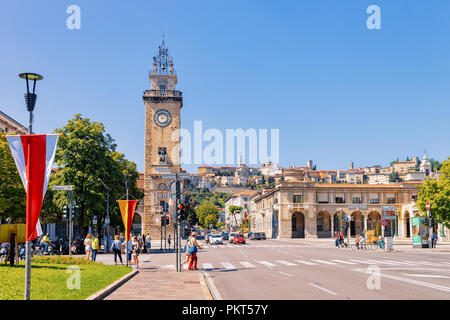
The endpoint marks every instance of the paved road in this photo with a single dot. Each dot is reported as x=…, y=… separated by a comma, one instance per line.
x=277, y=269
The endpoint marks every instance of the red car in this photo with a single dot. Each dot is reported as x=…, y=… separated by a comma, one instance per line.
x=239, y=238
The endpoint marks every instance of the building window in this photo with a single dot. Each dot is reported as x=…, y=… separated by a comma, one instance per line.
x=414, y=198
x=298, y=198
x=390, y=200
x=356, y=200
x=319, y=224
x=340, y=200
x=374, y=201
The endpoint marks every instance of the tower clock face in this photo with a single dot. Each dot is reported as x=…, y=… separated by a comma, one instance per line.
x=162, y=118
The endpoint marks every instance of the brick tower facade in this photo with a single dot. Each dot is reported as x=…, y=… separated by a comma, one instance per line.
x=162, y=155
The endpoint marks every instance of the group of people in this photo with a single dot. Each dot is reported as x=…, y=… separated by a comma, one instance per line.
x=135, y=246
x=339, y=240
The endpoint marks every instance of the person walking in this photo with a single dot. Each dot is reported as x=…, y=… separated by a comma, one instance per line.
x=434, y=238
x=95, y=246
x=336, y=239
x=45, y=241
x=193, y=248
x=169, y=239
x=116, y=248
x=88, y=246
x=135, y=251
x=128, y=249
x=148, y=241
x=186, y=249
x=122, y=238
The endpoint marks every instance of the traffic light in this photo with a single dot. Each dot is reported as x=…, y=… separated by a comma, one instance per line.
x=167, y=220
x=65, y=212
x=75, y=212
x=427, y=221
x=433, y=221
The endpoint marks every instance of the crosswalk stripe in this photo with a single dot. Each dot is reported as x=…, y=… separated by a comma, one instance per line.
x=228, y=265
x=205, y=246
x=383, y=262
x=286, y=262
x=403, y=262
x=431, y=264
x=267, y=264
x=323, y=261
x=169, y=266
x=229, y=246
x=207, y=266
x=247, y=264
x=306, y=262
x=363, y=262
x=344, y=262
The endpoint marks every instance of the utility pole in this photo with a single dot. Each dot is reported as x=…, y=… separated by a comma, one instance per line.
x=428, y=205
x=70, y=221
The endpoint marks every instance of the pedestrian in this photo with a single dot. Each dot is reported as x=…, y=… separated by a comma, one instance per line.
x=135, y=251
x=336, y=239
x=122, y=238
x=357, y=241
x=128, y=249
x=141, y=243
x=169, y=239
x=116, y=248
x=434, y=238
x=341, y=239
x=148, y=241
x=193, y=248
x=95, y=246
x=45, y=241
x=186, y=249
x=88, y=246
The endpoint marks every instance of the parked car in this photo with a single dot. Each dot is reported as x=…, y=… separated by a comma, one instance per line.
x=224, y=235
x=215, y=239
x=249, y=235
x=239, y=238
x=230, y=237
x=262, y=235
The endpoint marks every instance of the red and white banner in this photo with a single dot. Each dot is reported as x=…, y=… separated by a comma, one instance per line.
x=34, y=155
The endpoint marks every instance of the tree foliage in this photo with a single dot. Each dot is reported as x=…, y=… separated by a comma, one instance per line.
x=438, y=193
x=204, y=210
x=12, y=191
x=86, y=153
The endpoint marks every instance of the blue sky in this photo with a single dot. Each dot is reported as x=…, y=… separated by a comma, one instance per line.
x=337, y=91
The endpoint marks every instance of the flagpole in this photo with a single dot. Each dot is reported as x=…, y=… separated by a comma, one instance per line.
x=126, y=227
x=28, y=216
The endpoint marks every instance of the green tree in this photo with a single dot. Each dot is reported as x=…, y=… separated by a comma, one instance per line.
x=84, y=154
x=235, y=210
x=211, y=219
x=435, y=165
x=204, y=210
x=438, y=193
x=12, y=191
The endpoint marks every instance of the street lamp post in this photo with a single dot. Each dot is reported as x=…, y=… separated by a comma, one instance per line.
x=30, y=101
x=107, y=215
x=397, y=214
x=127, y=185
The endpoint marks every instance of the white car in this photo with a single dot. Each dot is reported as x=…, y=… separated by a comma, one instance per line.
x=215, y=239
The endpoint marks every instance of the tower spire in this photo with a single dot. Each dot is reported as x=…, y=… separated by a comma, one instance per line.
x=163, y=62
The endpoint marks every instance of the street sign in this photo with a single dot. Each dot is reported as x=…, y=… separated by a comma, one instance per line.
x=62, y=188
x=428, y=205
x=383, y=222
x=388, y=212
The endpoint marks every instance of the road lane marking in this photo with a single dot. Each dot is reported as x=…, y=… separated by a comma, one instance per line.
x=207, y=266
x=229, y=246
x=247, y=264
x=286, y=262
x=323, y=261
x=342, y=261
x=402, y=262
x=169, y=266
x=433, y=264
x=267, y=264
x=322, y=288
x=306, y=262
x=228, y=265
x=426, y=275
x=205, y=246
x=286, y=274
x=416, y=282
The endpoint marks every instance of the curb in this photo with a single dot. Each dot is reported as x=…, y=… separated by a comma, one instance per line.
x=205, y=287
x=106, y=291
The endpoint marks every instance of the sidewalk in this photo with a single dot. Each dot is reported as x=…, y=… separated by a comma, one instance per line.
x=158, y=284
x=153, y=283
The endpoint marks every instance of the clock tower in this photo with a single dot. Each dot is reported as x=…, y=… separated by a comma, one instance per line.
x=162, y=155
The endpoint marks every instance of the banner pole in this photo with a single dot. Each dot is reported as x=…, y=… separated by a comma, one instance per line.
x=28, y=243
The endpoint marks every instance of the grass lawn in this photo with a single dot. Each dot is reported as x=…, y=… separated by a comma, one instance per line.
x=49, y=279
